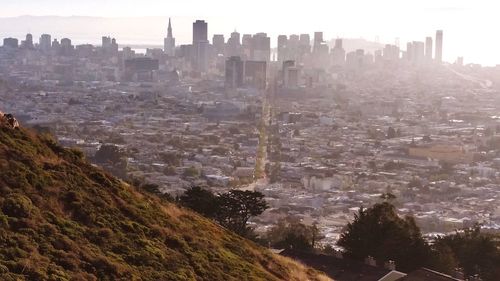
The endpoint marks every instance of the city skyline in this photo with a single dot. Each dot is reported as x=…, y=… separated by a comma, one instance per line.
x=386, y=21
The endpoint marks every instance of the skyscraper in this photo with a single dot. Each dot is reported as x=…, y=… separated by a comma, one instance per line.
x=200, y=45
x=418, y=51
x=409, y=51
x=233, y=47
x=338, y=53
x=234, y=73
x=11, y=43
x=428, y=48
x=282, y=44
x=169, y=42
x=28, y=43
x=45, y=43
x=261, y=47
x=200, y=31
x=219, y=43
x=318, y=41
x=439, y=46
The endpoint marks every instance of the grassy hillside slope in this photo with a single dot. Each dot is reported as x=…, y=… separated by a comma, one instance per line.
x=63, y=219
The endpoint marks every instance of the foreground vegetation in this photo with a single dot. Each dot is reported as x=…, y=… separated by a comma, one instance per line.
x=63, y=219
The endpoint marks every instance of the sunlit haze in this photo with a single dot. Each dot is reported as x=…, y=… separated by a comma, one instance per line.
x=469, y=26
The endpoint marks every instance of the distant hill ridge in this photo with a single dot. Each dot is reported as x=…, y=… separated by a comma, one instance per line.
x=63, y=219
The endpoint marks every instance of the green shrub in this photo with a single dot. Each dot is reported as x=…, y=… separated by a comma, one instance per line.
x=18, y=206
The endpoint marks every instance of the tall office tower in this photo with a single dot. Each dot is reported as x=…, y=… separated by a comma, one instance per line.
x=284, y=72
x=318, y=40
x=106, y=42
x=11, y=43
x=409, y=51
x=246, y=43
x=255, y=74
x=390, y=53
x=305, y=43
x=169, y=41
x=200, y=45
x=234, y=73
x=66, y=48
x=428, y=48
x=261, y=47
x=28, y=43
x=114, y=46
x=55, y=44
x=293, y=48
x=282, y=47
x=338, y=53
x=45, y=43
x=200, y=31
x=338, y=43
x=418, y=52
x=438, y=56
x=233, y=46
x=219, y=43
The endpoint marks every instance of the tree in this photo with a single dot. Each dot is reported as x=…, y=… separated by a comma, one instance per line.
x=292, y=234
x=109, y=153
x=379, y=232
x=199, y=200
x=236, y=207
x=391, y=133
x=475, y=252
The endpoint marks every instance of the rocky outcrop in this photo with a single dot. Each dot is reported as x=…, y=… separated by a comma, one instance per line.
x=8, y=120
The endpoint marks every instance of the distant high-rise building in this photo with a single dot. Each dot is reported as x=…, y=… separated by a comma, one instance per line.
x=200, y=45
x=255, y=74
x=106, y=42
x=304, y=45
x=246, y=44
x=45, y=43
x=109, y=45
x=233, y=47
x=428, y=48
x=200, y=31
x=409, y=51
x=28, y=42
x=390, y=53
x=338, y=53
x=218, y=42
x=338, y=43
x=261, y=47
x=11, y=43
x=289, y=73
x=318, y=38
x=320, y=51
x=234, y=73
x=66, y=48
x=201, y=50
x=169, y=41
x=418, y=51
x=305, y=40
x=439, y=46
x=282, y=46
x=55, y=44
x=356, y=59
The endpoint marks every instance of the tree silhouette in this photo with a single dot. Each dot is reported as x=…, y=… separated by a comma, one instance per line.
x=379, y=232
x=236, y=207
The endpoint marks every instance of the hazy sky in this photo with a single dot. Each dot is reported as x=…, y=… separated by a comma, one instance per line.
x=470, y=27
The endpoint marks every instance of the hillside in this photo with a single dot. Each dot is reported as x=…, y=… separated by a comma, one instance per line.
x=63, y=219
